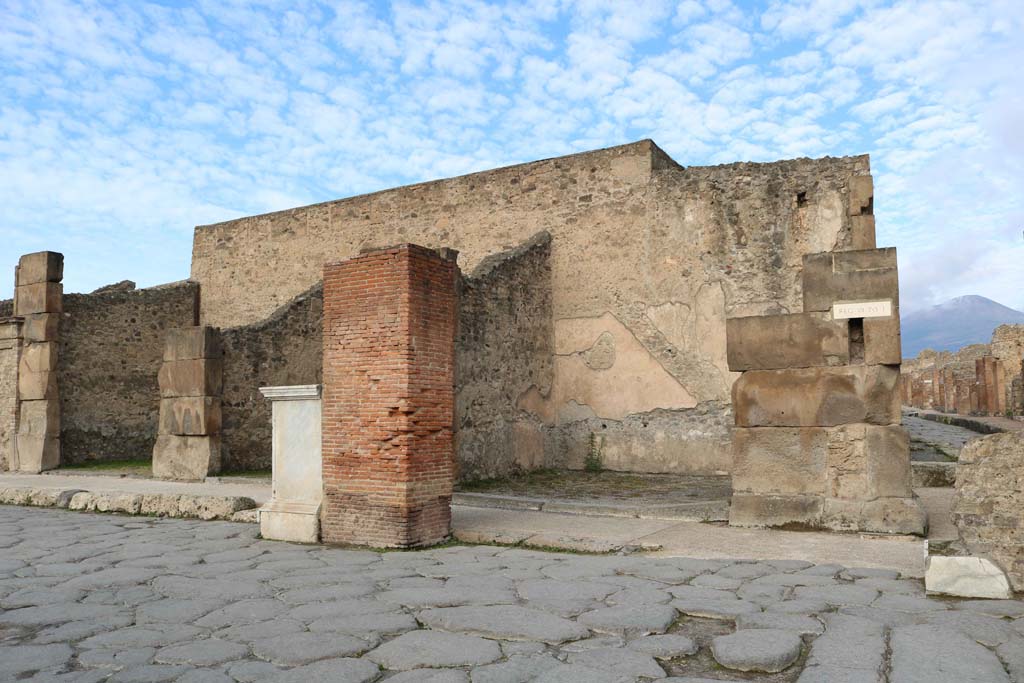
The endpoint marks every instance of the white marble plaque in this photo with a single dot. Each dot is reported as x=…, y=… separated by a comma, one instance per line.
x=844, y=310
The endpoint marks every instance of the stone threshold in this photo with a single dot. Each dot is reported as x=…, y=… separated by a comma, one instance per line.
x=182, y=505
x=700, y=511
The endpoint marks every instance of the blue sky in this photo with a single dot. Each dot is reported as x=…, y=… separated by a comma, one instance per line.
x=123, y=125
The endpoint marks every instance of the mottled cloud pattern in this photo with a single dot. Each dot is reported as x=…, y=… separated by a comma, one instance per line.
x=123, y=125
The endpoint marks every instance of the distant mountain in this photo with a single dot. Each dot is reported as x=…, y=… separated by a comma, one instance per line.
x=955, y=324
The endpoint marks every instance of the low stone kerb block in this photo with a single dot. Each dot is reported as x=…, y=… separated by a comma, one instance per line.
x=42, y=266
x=799, y=340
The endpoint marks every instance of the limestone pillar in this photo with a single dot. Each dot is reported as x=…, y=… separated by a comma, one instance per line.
x=293, y=513
x=38, y=299
x=818, y=441
x=388, y=397
x=188, y=439
x=10, y=353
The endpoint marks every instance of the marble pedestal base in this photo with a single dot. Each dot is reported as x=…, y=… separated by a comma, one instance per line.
x=290, y=521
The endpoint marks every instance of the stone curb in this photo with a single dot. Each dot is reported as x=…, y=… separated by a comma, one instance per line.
x=704, y=511
x=932, y=474
x=233, y=508
x=962, y=421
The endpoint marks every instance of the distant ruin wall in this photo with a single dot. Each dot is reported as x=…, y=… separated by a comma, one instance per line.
x=504, y=347
x=284, y=350
x=111, y=348
x=647, y=259
x=10, y=345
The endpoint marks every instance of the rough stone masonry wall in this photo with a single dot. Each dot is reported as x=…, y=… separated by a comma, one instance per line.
x=6, y=308
x=504, y=347
x=647, y=259
x=111, y=349
x=10, y=345
x=286, y=349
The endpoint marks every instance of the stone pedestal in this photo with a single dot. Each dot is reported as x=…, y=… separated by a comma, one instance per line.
x=293, y=513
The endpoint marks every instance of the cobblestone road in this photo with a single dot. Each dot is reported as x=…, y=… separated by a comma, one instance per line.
x=932, y=440
x=87, y=597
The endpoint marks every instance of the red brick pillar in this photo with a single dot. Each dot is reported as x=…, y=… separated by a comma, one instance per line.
x=389, y=397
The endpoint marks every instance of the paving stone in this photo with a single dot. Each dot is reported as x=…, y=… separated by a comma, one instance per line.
x=447, y=597
x=619, y=661
x=552, y=589
x=150, y=673
x=668, y=646
x=576, y=673
x=851, y=649
x=385, y=623
x=931, y=654
x=59, y=614
x=906, y=586
x=638, y=596
x=701, y=593
x=301, y=596
x=516, y=669
x=746, y=571
x=242, y=612
x=295, y=649
x=150, y=635
x=837, y=596
x=262, y=630
x=343, y=670
x=249, y=671
x=907, y=603
x=715, y=608
x=116, y=659
x=174, y=610
x=77, y=630
x=593, y=643
x=205, y=676
x=998, y=608
x=762, y=594
x=768, y=650
x=630, y=621
x=887, y=617
x=201, y=652
x=871, y=573
x=797, y=623
x=795, y=580
x=521, y=647
x=716, y=581
x=801, y=606
x=18, y=660
x=430, y=676
x=418, y=649
x=789, y=565
x=49, y=596
x=1012, y=655
x=510, y=622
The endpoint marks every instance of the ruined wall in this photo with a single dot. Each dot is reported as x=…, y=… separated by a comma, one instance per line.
x=10, y=345
x=1008, y=347
x=504, y=347
x=647, y=259
x=283, y=350
x=111, y=348
x=6, y=308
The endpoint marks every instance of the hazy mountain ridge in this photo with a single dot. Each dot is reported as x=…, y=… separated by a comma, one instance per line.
x=954, y=324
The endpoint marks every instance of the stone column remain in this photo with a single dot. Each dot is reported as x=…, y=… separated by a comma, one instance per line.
x=38, y=300
x=388, y=397
x=188, y=440
x=818, y=441
x=293, y=513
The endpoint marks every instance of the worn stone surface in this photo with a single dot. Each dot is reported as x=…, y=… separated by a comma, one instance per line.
x=966, y=577
x=434, y=649
x=989, y=506
x=768, y=650
x=923, y=654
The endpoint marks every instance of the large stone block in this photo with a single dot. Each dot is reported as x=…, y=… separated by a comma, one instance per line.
x=186, y=458
x=36, y=386
x=862, y=232
x=798, y=340
x=38, y=452
x=40, y=327
x=39, y=418
x=780, y=460
x=188, y=343
x=862, y=192
x=817, y=397
x=868, y=274
x=42, y=297
x=39, y=357
x=190, y=415
x=42, y=266
x=764, y=510
x=866, y=462
x=197, y=377
x=882, y=340
x=879, y=516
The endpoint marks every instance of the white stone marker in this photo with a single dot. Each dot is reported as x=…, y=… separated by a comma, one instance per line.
x=966, y=577
x=293, y=513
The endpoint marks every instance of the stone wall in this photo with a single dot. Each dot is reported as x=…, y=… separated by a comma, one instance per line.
x=503, y=348
x=989, y=501
x=6, y=308
x=111, y=348
x=10, y=345
x=284, y=350
x=647, y=259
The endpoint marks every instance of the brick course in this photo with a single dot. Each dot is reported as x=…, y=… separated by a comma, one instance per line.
x=388, y=397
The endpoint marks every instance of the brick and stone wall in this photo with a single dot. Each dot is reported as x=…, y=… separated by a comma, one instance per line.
x=111, y=349
x=286, y=349
x=989, y=502
x=504, y=347
x=647, y=260
x=10, y=348
x=390, y=320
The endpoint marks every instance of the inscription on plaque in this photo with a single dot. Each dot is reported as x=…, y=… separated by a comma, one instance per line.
x=844, y=310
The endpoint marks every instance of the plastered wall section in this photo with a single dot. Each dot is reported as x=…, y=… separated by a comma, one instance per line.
x=10, y=346
x=111, y=350
x=284, y=350
x=647, y=259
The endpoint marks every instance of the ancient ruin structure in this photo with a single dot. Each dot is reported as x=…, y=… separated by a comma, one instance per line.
x=979, y=379
x=817, y=440
x=593, y=292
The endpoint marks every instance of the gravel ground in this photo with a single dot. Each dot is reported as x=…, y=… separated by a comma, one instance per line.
x=87, y=597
